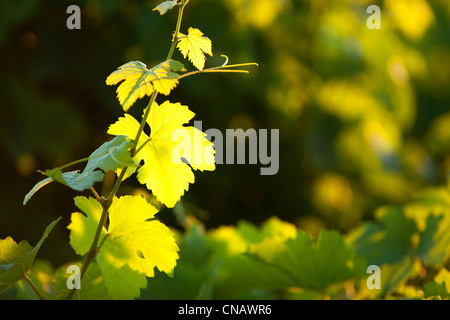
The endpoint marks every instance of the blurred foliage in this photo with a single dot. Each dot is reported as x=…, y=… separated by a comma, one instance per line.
x=364, y=119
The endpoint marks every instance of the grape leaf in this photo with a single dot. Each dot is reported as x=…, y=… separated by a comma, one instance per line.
x=310, y=265
x=439, y=287
x=16, y=259
x=81, y=237
x=192, y=277
x=239, y=274
x=134, y=245
x=391, y=237
x=194, y=46
x=276, y=257
x=138, y=81
x=434, y=242
x=41, y=275
x=111, y=155
x=165, y=6
x=388, y=239
x=11, y=251
x=430, y=208
x=163, y=172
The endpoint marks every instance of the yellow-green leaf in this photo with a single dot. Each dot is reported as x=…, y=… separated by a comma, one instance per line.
x=84, y=226
x=17, y=259
x=163, y=171
x=165, y=6
x=135, y=243
x=138, y=81
x=194, y=46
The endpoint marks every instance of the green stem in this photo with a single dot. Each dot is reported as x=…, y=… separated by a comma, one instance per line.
x=143, y=122
x=155, y=94
x=142, y=146
x=103, y=241
x=95, y=194
x=106, y=203
x=177, y=30
x=28, y=280
x=222, y=68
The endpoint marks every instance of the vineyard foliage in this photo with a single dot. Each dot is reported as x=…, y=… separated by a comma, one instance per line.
x=364, y=176
x=275, y=260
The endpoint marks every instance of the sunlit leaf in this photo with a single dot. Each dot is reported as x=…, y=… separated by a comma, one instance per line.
x=163, y=171
x=111, y=155
x=194, y=46
x=16, y=259
x=406, y=232
x=81, y=237
x=38, y=186
x=135, y=243
x=312, y=265
x=238, y=273
x=388, y=239
x=138, y=81
x=191, y=274
x=434, y=243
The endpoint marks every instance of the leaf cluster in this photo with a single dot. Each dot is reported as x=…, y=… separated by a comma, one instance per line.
x=120, y=238
x=277, y=260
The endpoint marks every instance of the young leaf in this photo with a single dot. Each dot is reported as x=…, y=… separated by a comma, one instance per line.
x=386, y=241
x=392, y=239
x=75, y=180
x=72, y=179
x=440, y=286
x=134, y=245
x=193, y=276
x=163, y=171
x=194, y=45
x=83, y=226
x=138, y=81
x=16, y=259
x=111, y=155
x=38, y=186
x=165, y=6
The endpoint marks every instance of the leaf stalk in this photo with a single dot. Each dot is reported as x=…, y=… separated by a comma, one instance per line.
x=33, y=287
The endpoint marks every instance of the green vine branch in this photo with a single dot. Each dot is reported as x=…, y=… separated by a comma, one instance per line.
x=107, y=202
x=33, y=287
